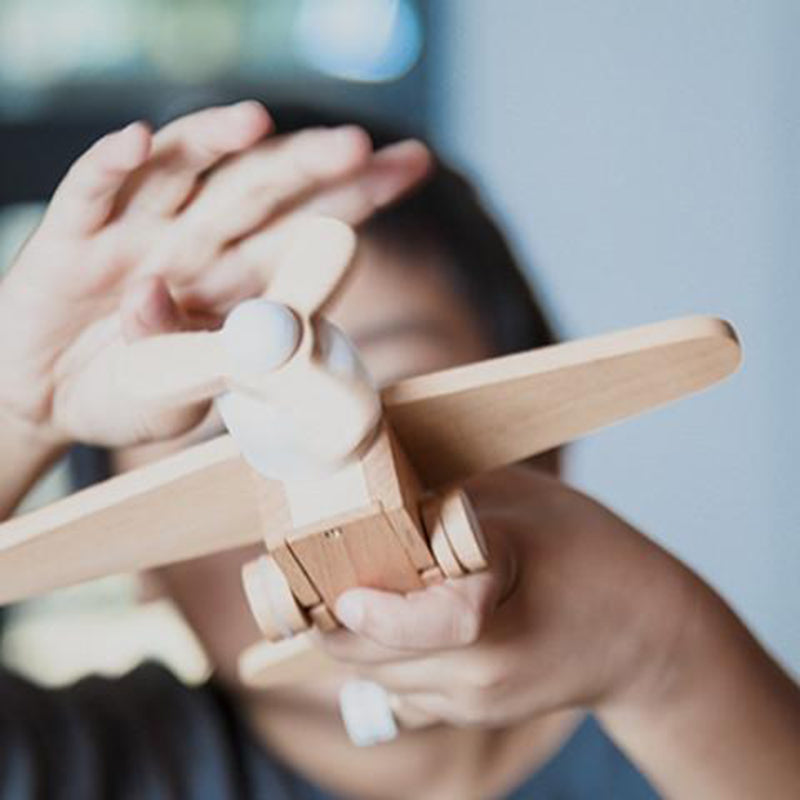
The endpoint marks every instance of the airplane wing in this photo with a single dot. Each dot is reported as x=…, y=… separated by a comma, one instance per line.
x=466, y=420
x=452, y=424
x=196, y=502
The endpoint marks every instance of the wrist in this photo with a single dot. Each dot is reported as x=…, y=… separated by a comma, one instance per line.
x=26, y=388
x=27, y=451
x=717, y=718
x=669, y=643
x=679, y=658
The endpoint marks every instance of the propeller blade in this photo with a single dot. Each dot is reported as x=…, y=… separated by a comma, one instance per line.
x=179, y=368
x=466, y=420
x=314, y=266
x=196, y=502
x=175, y=369
x=259, y=334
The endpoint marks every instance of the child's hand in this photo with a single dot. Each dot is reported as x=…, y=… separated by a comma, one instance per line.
x=151, y=234
x=576, y=609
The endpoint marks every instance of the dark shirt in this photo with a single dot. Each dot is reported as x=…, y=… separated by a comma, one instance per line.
x=146, y=736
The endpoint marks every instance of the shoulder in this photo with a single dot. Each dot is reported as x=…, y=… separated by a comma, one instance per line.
x=142, y=735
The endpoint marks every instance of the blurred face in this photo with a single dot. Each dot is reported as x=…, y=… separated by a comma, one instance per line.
x=405, y=320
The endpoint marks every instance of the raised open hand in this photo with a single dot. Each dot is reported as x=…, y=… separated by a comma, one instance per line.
x=152, y=233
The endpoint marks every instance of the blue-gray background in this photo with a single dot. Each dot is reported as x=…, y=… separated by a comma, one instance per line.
x=646, y=156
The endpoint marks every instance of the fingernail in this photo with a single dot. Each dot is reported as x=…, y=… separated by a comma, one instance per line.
x=350, y=610
x=349, y=137
x=131, y=126
x=249, y=107
x=134, y=145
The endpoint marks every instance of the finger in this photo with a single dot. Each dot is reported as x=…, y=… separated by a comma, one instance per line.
x=147, y=308
x=386, y=178
x=246, y=193
x=428, y=708
x=219, y=290
x=188, y=147
x=440, y=673
x=447, y=615
x=452, y=614
x=350, y=648
x=411, y=715
x=464, y=674
x=392, y=172
x=84, y=199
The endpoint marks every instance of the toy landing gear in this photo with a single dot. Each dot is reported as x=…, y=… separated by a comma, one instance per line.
x=455, y=547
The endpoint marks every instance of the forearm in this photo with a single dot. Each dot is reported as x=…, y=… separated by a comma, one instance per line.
x=722, y=722
x=25, y=453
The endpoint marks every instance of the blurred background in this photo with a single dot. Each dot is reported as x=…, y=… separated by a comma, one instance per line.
x=644, y=158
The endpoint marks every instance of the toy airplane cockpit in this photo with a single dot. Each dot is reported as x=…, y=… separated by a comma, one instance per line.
x=345, y=486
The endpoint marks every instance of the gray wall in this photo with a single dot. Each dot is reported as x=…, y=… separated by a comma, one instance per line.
x=644, y=156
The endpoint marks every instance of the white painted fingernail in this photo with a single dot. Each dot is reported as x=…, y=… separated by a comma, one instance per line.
x=367, y=713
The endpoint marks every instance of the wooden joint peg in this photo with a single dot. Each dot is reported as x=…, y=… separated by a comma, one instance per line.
x=276, y=611
x=454, y=533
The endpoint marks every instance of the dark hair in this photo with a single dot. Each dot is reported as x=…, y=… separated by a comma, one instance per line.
x=447, y=212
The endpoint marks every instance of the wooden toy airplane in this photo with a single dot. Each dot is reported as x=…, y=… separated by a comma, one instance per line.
x=344, y=485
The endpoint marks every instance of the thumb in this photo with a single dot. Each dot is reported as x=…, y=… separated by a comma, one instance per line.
x=444, y=616
x=441, y=617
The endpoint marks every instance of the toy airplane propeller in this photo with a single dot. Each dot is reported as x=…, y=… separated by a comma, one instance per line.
x=344, y=485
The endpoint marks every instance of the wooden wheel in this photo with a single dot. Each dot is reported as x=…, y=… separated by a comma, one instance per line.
x=454, y=534
x=274, y=607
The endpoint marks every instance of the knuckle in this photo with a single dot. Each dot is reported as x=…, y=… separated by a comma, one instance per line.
x=484, y=676
x=200, y=151
x=201, y=230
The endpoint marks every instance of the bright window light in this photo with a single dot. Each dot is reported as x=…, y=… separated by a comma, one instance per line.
x=359, y=40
